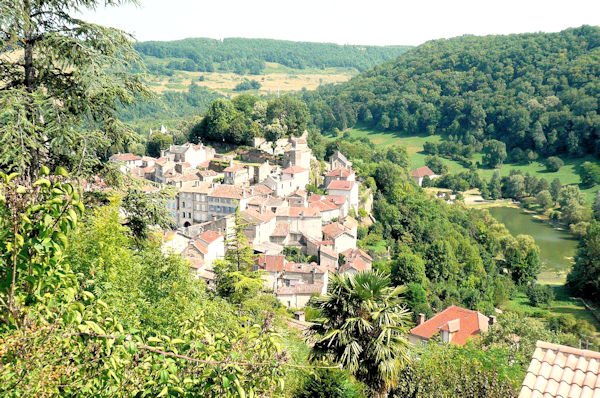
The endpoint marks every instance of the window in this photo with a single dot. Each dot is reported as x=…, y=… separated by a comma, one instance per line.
x=189, y=215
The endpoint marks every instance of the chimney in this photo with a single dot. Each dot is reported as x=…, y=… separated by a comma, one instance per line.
x=492, y=320
x=421, y=319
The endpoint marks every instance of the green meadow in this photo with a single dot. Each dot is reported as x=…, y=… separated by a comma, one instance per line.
x=414, y=145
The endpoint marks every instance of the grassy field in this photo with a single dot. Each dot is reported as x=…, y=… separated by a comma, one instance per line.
x=414, y=146
x=563, y=304
x=276, y=78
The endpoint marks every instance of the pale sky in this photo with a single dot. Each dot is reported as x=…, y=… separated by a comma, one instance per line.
x=377, y=22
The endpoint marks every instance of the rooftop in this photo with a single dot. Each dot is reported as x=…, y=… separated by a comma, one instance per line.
x=422, y=172
x=559, y=371
x=340, y=185
x=294, y=170
x=470, y=324
x=124, y=157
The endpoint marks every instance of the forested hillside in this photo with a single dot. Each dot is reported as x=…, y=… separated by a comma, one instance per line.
x=536, y=92
x=249, y=55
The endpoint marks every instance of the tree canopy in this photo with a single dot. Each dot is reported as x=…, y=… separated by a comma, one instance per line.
x=535, y=92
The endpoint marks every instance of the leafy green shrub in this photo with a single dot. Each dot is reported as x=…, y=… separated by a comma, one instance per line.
x=540, y=295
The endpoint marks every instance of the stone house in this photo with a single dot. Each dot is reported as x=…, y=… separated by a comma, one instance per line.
x=194, y=154
x=341, y=236
x=236, y=174
x=258, y=225
x=354, y=261
x=338, y=160
x=339, y=174
x=301, y=221
x=347, y=189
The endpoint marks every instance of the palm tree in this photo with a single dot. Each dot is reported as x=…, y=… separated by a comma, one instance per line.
x=362, y=327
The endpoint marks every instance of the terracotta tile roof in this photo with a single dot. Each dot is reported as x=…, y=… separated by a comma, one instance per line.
x=314, y=197
x=422, y=172
x=339, y=172
x=294, y=170
x=208, y=173
x=296, y=211
x=261, y=189
x=162, y=161
x=471, y=323
x=281, y=229
x=303, y=288
x=234, y=168
x=299, y=192
x=256, y=217
x=227, y=191
x=348, y=253
x=200, y=245
x=357, y=264
x=210, y=236
x=328, y=251
x=337, y=199
x=333, y=230
x=124, y=157
x=559, y=371
x=323, y=206
x=271, y=263
x=340, y=185
x=201, y=187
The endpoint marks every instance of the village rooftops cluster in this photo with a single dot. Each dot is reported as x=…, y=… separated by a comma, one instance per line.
x=275, y=208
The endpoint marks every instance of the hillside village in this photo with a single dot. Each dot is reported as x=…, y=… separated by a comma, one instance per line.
x=268, y=186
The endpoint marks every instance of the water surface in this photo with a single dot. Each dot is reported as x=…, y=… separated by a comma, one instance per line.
x=557, y=247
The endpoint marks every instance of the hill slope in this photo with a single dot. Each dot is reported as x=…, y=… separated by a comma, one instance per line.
x=536, y=92
x=251, y=55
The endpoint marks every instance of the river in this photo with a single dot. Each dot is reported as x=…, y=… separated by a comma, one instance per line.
x=557, y=247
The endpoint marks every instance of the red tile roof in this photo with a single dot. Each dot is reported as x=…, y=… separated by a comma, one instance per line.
x=471, y=323
x=333, y=230
x=271, y=263
x=296, y=211
x=227, y=191
x=339, y=172
x=294, y=170
x=562, y=371
x=210, y=236
x=422, y=172
x=254, y=216
x=124, y=157
x=234, y=168
x=281, y=229
x=340, y=185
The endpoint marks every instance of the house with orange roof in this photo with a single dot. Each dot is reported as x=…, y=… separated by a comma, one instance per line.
x=422, y=172
x=339, y=174
x=236, y=174
x=203, y=251
x=454, y=325
x=354, y=261
x=342, y=237
x=347, y=189
x=301, y=220
x=331, y=206
x=126, y=161
x=259, y=224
